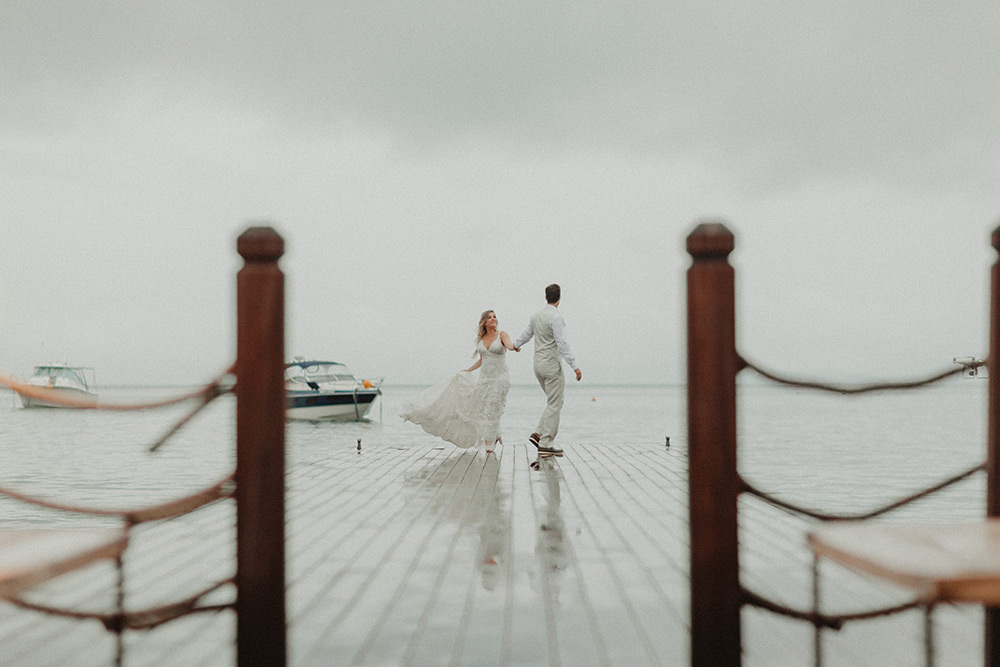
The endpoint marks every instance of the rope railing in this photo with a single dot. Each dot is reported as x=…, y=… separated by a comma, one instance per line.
x=714, y=482
x=814, y=617
x=225, y=488
x=792, y=508
x=143, y=619
x=831, y=621
x=259, y=579
x=849, y=389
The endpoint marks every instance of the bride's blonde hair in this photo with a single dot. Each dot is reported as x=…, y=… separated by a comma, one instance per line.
x=481, y=330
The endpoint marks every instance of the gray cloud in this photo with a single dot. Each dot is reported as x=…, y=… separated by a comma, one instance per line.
x=439, y=153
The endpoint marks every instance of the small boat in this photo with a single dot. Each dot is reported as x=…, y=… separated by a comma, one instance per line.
x=61, y=381
x=327, y=390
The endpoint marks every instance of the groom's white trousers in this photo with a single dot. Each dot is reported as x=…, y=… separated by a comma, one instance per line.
x=550, y=376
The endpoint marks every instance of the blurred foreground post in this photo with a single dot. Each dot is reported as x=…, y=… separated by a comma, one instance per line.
x=712, y=478
x=992, y=636
x=260, y=451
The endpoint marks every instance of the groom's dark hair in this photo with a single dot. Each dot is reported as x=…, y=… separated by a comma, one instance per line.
x=552, y=293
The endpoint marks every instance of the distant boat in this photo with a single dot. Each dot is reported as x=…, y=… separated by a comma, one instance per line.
x=61, y=381
x=327, y=390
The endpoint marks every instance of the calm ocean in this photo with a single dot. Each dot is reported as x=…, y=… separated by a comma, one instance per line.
x=832, y=452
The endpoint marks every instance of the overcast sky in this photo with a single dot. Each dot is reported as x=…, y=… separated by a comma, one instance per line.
x=428, y=160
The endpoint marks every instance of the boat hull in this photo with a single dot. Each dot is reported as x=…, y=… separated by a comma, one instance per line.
x=330, y=406
x=84, y=399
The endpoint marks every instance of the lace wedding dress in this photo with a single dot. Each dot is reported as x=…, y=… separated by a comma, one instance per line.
x=463, y=410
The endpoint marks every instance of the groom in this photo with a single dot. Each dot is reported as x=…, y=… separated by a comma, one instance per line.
x=548, y=329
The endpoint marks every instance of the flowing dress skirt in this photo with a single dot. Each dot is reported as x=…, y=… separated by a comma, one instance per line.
x=462, y=410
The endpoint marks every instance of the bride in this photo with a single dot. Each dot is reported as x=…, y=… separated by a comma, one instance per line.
x=462, y=410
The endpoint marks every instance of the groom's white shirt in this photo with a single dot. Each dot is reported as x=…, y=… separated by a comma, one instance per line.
x=550, y=318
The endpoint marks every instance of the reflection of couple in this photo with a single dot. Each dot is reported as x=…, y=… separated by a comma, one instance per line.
x=467, y=412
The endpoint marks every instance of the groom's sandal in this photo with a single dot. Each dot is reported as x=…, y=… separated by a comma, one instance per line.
x=534, y=438
x=550, y=450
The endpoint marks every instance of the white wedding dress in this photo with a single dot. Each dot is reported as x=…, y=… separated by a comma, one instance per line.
x=463, y=410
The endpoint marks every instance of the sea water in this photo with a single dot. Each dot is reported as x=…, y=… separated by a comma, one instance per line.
x=831, y=452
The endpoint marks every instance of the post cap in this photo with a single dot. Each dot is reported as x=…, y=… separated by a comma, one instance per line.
x=260, y=244
x=710, y=239
x=996, y=238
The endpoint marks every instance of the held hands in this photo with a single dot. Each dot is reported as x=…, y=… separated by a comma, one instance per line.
x=578, y=374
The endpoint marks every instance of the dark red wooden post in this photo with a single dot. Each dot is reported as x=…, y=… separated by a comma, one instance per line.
x=992, y=657
x=260, y=451
x=712, y=478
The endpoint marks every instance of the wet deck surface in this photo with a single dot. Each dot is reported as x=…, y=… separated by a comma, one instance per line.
x=443, y=557
x=437, y=556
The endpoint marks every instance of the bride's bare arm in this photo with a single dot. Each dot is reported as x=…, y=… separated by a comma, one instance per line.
x=506, y=342
x=479, y=362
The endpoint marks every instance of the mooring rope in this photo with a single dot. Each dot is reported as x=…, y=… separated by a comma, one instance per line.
x=747, y=487
x=846, y=389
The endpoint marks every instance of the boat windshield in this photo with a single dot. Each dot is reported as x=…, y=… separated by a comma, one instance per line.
x=68, y=374
x=319, y=372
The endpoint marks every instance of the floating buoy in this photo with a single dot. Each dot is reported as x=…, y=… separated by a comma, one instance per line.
x=593, y=398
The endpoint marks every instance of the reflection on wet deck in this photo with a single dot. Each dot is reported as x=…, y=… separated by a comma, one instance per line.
x=439, y=556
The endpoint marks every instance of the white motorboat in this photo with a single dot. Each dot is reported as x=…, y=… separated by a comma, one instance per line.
x=62, y=382
x=327, y=390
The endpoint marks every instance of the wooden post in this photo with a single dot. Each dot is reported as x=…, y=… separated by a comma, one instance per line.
x=992, y=635
x=712, y=478
x=260, y=451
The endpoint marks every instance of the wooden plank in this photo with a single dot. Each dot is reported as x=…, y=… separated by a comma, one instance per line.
x=944, y=562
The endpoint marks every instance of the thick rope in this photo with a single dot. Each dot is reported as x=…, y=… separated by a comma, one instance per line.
x=747, y=487
x=221, y=489
x=796, y=509
x=832, y=621
x=144, y=619
x=209, y=394
x=213, y=388
x=844, y=389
